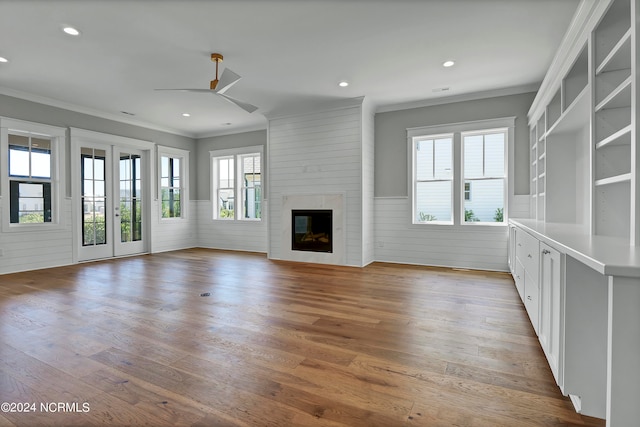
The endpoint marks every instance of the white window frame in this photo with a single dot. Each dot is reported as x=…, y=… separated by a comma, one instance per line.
x=485, y=132
x=458, y=129
x=237, y=154
x=415, y=141
x=58, y=136
x=183, y=155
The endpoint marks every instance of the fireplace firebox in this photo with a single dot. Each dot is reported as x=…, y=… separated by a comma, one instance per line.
x=311, y=230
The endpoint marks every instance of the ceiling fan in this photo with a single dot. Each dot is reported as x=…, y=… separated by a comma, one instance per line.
x=218, y=87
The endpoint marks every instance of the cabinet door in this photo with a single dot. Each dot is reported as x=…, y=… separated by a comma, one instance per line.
x=512, y=250
x=551, y=302
x=519, y=278
x=531, y=299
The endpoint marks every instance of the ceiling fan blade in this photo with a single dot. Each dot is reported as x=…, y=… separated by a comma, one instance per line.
x=227, y=79
x=188, y=90
x=245, y=106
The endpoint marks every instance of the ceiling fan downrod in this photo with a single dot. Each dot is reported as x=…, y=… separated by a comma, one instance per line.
x=217, y=58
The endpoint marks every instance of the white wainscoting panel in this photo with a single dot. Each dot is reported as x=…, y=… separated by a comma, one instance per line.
x=250, y=236
x=472, y=247
x=32, y=250
x=174, y=234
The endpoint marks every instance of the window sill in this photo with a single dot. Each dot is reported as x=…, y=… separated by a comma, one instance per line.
x=32, y=228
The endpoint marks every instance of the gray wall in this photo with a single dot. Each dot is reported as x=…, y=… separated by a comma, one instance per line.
x=391, y=161
x=21, y=109
x=236, y=140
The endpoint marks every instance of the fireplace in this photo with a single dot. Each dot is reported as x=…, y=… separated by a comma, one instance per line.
x=312, y=230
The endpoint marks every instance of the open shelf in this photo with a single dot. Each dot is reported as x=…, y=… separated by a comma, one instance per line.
x=621, y=137
x=575, y=117
x=625, y=177
x=576, y=79
x=554, y=109
x=620, y=56
x=612, y=28
x=619, y=97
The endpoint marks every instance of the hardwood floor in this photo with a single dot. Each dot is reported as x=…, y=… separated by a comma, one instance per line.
x=212, y=338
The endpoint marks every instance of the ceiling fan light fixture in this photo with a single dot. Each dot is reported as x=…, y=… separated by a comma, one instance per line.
x=71, y=31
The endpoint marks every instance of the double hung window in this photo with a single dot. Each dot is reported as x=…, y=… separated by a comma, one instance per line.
x=237, y=184
x=459, y=172
x=173, y=182
x=433, y=183
x=30, y=179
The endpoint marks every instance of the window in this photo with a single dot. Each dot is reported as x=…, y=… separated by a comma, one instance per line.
x=459, y=172
x=173, y=182
x=237, y=184
x=170, y=187
x=433, y=184
x=30, y=179
x=226, y=188
x=251, y=192
x=484, y=166
x=94, y=196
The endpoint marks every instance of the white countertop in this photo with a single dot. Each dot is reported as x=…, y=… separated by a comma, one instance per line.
x=607, y=255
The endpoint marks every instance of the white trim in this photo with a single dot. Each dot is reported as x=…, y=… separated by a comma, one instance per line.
x=234, y=153
x=164, y=151
x=93, y=112
x=431, y=102
x=82, y=137
x=457, y=130
x=584, y=21
x=57, y=180
x=475, y=125
x=109, y=139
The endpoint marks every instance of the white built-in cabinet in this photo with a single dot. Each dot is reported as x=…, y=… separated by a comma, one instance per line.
x=576, y=260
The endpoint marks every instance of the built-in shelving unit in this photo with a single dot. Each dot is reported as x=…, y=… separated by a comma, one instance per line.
x=585, y=212
x=583, y=142
x=614, y=166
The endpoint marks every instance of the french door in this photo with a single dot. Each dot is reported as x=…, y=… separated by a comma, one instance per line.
x=112, y=187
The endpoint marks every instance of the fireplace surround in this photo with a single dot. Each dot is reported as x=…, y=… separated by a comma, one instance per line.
x=321, y=205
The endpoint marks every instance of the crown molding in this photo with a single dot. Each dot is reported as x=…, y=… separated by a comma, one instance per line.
x=575, y=39
x=430, y=102
x=90, y=111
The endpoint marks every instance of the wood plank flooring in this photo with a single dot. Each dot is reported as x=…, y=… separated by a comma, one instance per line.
x=132, y=342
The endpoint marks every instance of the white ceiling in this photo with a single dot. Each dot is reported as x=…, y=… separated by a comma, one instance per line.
x=290, y=53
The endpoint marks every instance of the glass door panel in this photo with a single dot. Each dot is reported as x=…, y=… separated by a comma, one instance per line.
x=130, y=210
x=95, y=224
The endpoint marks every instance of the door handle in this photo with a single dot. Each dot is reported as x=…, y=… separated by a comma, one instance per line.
x=546, y=252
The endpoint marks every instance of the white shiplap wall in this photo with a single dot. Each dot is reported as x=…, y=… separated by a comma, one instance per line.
x=368, y=178
x=318, y=153
x=248, y=236
x=470, y=246
x=173, y=234
x=22, y=251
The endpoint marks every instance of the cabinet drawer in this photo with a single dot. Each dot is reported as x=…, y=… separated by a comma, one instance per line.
x=527, y=250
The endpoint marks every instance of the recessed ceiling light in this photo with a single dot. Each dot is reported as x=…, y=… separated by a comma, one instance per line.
x=186, y=115
x=71, y=31
x=3, y=59
x=448, y=63
x=343, y=84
